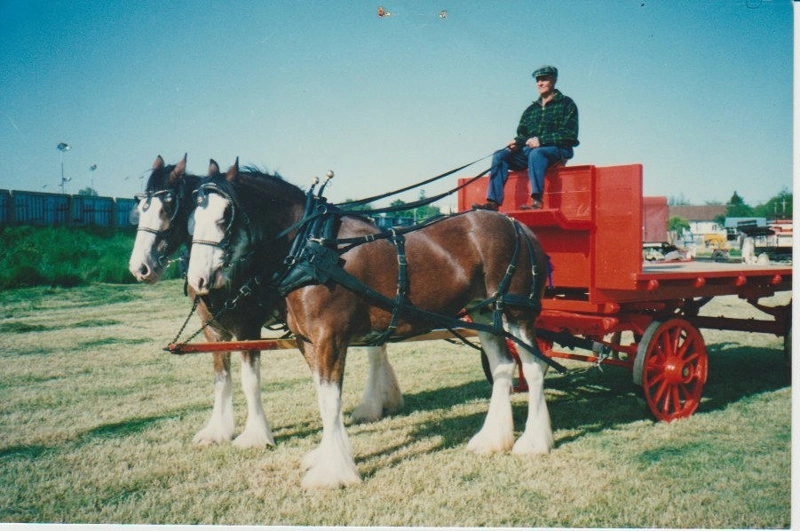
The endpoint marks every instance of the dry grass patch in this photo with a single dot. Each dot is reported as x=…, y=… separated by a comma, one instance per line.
x=96, y=426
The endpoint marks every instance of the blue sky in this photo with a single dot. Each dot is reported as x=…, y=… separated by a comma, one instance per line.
x=699, y=92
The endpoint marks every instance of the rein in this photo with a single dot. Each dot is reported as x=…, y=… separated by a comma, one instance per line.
x=351, y=204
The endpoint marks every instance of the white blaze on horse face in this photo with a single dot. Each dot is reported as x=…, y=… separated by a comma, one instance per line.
x=144, y=264
x=205, y=262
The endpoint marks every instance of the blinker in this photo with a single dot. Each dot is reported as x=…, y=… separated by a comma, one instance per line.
x=143, y=200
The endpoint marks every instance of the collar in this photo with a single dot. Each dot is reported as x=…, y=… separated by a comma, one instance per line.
x=557, y=96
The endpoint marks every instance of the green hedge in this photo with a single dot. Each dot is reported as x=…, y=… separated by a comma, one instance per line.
x=66, y=256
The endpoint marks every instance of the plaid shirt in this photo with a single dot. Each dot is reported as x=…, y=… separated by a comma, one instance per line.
x=555, y=124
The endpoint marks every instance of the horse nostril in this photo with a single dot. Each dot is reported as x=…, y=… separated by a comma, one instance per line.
x=200, y=283
x=144, y=270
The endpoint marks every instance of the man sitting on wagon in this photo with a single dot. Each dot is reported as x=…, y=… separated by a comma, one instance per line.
x=547, y=134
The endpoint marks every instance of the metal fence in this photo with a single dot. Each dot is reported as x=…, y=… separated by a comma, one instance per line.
x=43, y=209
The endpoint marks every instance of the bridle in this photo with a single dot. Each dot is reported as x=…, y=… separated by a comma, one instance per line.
x=201, y=197
x=167, y=197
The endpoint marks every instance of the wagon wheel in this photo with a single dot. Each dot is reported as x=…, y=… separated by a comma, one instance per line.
x=522, y=384
x=671, y=365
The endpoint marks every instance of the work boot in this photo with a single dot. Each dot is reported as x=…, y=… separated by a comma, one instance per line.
x=535, y=205
x=488, y=205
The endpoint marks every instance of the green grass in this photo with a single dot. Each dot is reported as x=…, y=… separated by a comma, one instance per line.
x=96, y=424
x=65, y=256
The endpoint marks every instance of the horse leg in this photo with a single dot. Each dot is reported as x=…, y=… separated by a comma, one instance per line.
x=382, y=391
x=257, y=433
x=331, y=465
x=221, y=425
x=538, y=435
x=497, y=433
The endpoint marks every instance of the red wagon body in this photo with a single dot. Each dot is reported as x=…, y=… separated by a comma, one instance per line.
x=593, y=224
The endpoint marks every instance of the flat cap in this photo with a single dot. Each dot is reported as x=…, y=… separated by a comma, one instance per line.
x=545, y=71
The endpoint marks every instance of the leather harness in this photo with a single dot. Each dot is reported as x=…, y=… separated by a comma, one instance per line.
x=315, y=258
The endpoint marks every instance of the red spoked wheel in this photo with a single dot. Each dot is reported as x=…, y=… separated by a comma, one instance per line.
x=671, y=365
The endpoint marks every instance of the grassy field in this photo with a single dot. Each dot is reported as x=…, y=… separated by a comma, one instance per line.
x=96, y=425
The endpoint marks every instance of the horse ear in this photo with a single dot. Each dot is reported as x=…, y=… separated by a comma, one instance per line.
x=179, y=170
x=233, y=171
x=213, y=168
x=159, y=163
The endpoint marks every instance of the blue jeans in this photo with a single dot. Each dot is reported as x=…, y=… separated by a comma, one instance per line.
x=537, y=160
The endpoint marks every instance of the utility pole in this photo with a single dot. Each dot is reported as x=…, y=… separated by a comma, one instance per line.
x=63, y=147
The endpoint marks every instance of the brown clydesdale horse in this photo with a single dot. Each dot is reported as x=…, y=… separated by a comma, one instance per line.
x=248, y=220
x=163, y=212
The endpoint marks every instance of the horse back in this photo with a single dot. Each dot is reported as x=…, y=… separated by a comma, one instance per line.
x=450, y=263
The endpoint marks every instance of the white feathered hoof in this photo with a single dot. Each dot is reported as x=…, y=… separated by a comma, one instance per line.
x=330, y=476
x=310, y=460
x=254, y=438
x=490, y=442
x=367, y=412
x=530, y=444
x=211, y=435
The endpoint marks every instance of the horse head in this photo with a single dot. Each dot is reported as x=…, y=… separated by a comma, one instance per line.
x=237, y=223
x=163, y=212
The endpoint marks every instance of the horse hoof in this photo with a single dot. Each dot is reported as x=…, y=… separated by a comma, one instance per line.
x=365, y=414
x=254, y=440
x=526, y=445
x=208, y=437
x=310, y=460
x=317, y=478
x=484, y=444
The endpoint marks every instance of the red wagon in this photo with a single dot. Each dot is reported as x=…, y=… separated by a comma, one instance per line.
x=592, y=226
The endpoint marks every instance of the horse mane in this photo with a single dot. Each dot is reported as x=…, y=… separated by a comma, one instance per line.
x=271, y=185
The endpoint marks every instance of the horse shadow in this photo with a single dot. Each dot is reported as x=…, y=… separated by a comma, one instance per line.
x=589, y=400
x=129, y=427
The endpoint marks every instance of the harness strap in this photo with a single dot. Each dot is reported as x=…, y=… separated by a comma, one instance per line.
x=324, y=262
x=400, y=300
x=350, y=243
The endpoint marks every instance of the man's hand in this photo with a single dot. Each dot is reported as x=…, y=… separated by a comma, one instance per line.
x=533, y=142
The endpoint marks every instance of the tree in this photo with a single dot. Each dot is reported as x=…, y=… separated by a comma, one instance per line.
x=778, y=207
x=358, y=208
x=426, y=211
x=88, y=191
x=679, y=200
x=678, y=225
x=419, y=213
x=737, y=208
